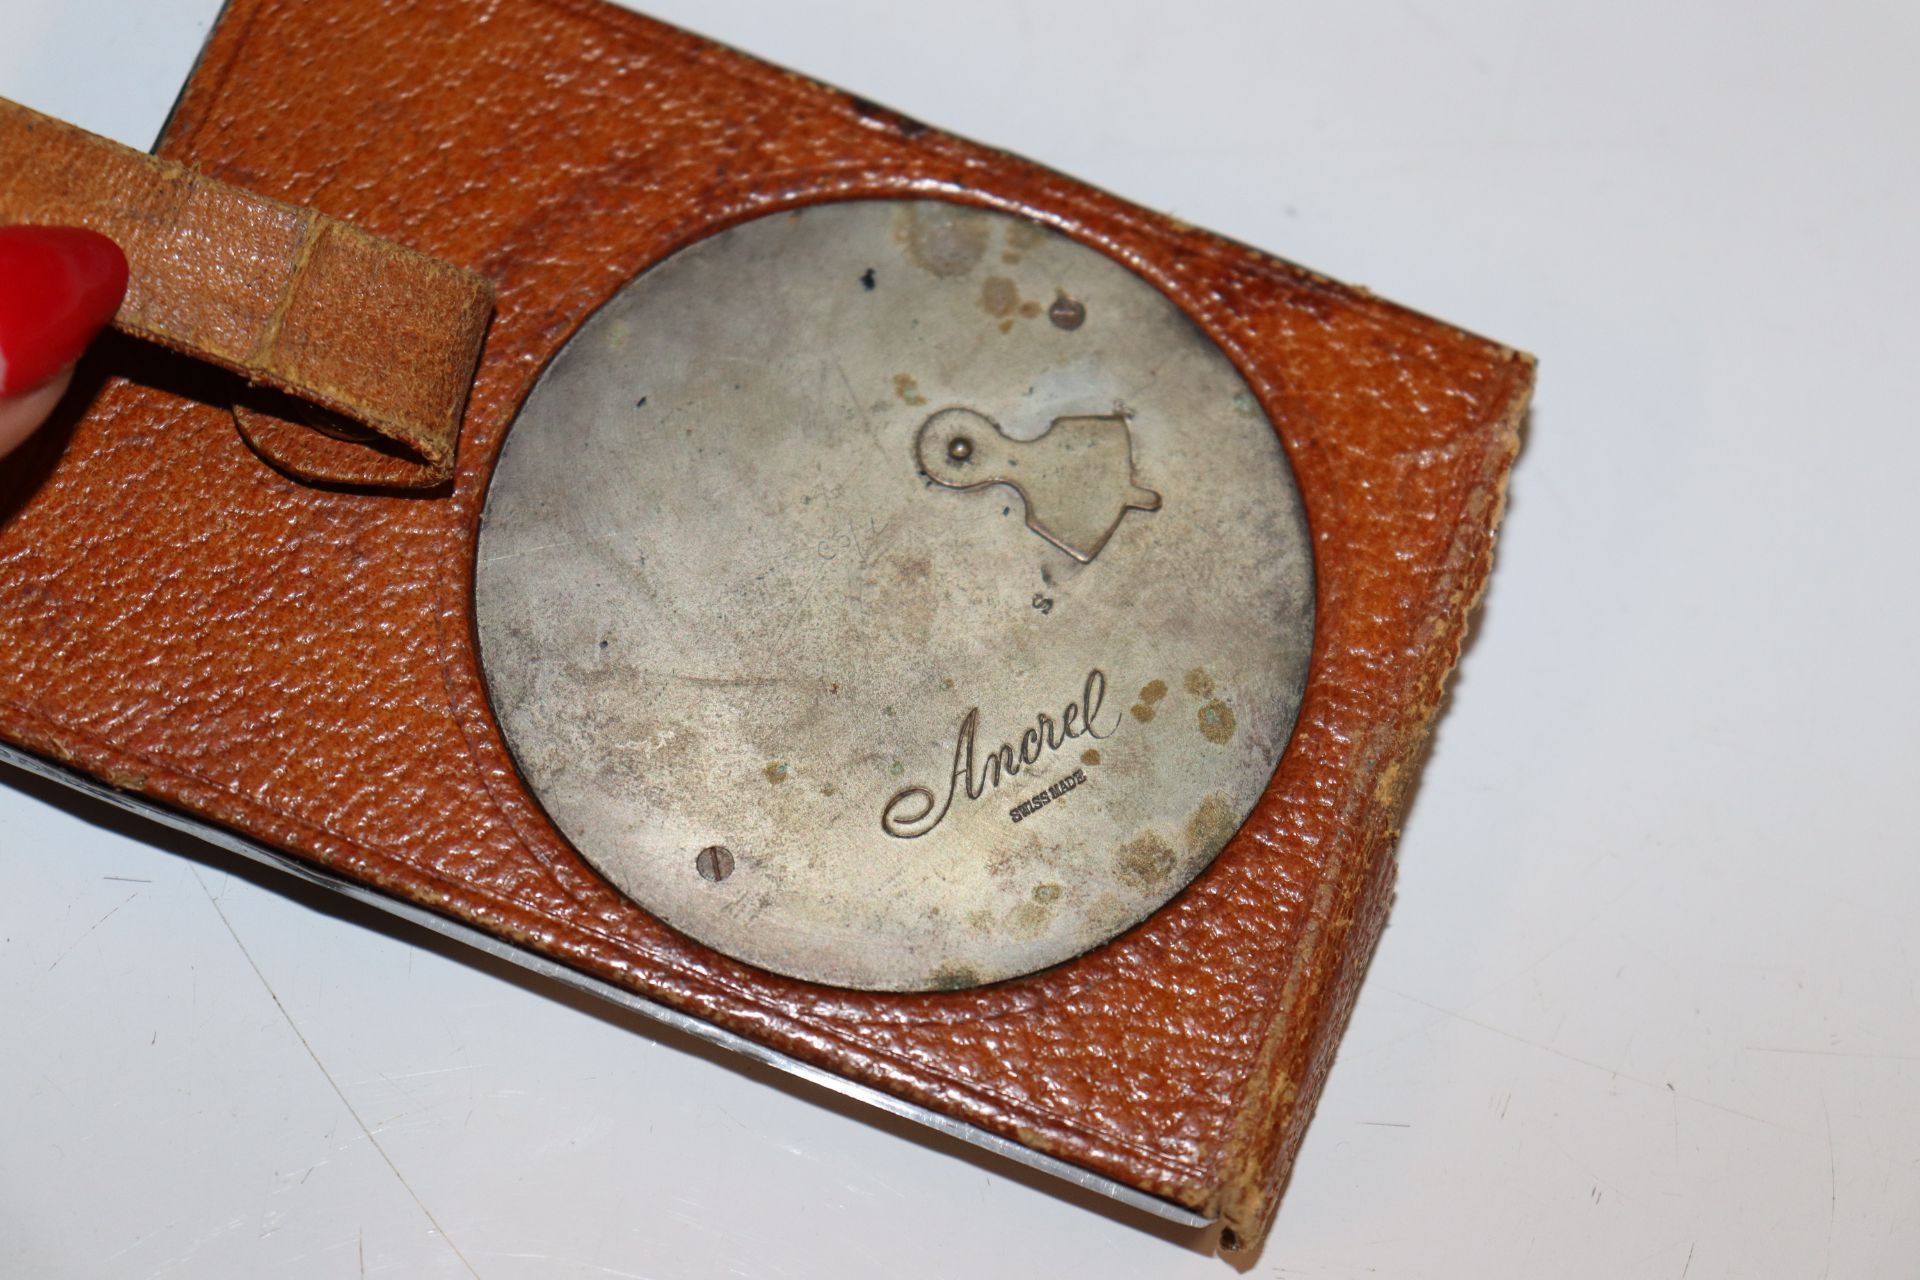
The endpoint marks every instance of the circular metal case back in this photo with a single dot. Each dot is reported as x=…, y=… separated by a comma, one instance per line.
x=894, y=595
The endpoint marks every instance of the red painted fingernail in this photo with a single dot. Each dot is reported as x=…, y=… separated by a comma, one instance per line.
x=59, y=286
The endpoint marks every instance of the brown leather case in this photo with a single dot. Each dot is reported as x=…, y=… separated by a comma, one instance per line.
x=285, y=297
x=297, y=662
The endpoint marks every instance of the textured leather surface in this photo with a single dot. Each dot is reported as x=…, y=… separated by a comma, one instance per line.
x=285, y=297
x=303, y=668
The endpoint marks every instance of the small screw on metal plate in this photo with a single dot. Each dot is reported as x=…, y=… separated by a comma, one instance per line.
x=715, y=863
x=959, y=448
x=1067, y=313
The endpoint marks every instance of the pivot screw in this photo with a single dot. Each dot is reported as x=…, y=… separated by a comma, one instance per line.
x=1067, y=313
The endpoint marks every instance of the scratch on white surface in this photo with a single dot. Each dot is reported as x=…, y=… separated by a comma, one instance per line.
x=295, y=1179
x=122, y=1252
x=1594, y=1193
x=335, y=1086
x=1833, y=1053
x=548, y=1258
x=193, y=1247
x=1689, y=1264
x=396, y=1077
x=1833, y=1185
x=1615, y=1072
x=90, y=928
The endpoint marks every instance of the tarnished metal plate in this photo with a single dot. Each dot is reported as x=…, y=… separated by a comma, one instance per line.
x=894, y=595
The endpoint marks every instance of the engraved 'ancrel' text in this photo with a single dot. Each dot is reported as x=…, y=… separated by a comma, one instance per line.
x=911, y=812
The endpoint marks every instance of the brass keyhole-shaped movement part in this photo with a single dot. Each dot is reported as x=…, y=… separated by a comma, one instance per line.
x=1076, y=480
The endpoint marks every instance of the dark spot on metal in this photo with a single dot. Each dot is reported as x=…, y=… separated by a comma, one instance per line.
x=1046, y=893
x=1210, y=826
x=1141, y=711
x=1090, y=756
x=1022, y=236
x=714, y=863
x=1199, y=683
x=1067, y=313
x=1144, y=861
x=911, y=568
x=1029, y=308
x=954, y=977
x=776, y=771
x=641, y=403
x=1216, y=721
x=945, y=239
x=603, y=644
x=1153, y=691
x=999, y=296
x=866, y=279
x=959, y=448
x=1028, y=920
x=908, y=389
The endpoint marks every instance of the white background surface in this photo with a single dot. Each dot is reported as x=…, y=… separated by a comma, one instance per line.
x=1648, y=1003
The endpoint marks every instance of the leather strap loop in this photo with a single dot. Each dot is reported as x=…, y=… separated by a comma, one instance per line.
x=286, y=297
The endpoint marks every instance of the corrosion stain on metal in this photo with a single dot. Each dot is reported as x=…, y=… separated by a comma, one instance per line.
x=778, y=660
